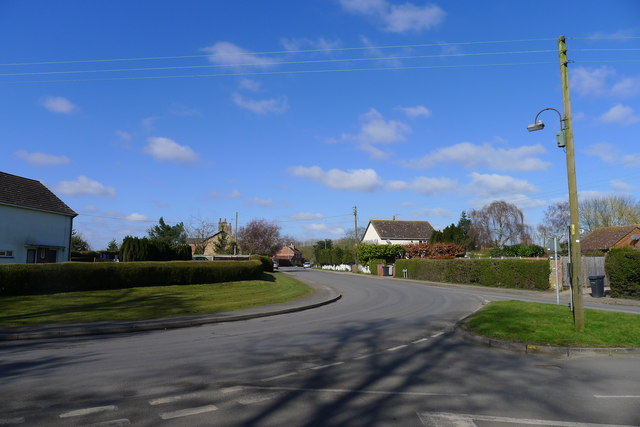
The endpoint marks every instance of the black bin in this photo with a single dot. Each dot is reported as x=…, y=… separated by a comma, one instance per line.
x=597, y=286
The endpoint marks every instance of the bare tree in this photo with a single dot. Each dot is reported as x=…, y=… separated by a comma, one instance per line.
x=260, y=237
x=498, y=224
x=608, y=211
x=555, y=222
x=200, y=230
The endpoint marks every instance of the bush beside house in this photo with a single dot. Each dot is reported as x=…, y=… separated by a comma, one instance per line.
x=623, y=268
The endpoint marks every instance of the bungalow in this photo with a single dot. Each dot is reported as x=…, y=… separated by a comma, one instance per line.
x=604, y=239
x=385, y=232
x=35, y=225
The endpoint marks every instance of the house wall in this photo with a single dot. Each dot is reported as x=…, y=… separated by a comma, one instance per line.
x=371, y=236
x=627, y=241
x=20, y=227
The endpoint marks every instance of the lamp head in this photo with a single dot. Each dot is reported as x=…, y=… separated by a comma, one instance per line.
x=535, y=126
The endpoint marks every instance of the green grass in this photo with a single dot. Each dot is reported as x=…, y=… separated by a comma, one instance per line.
x=149, y=302
x=546, y=324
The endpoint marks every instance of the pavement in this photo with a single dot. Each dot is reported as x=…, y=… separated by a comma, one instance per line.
x=322, y=295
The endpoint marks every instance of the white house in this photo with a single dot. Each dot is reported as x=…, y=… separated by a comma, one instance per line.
x=35, y=225
x=384, y=232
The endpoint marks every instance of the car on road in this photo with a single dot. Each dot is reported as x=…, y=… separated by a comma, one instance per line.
x=307, y=265
x=275, y=265
x=200, y=258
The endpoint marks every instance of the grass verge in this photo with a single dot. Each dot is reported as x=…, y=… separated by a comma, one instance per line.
x=546, y=324
x=149, y=302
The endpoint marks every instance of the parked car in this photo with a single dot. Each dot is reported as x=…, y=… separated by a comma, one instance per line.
x=275, y=265
x=307, y=265
x=200, y=258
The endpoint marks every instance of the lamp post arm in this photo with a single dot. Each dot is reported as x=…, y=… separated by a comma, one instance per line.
x=562, y=127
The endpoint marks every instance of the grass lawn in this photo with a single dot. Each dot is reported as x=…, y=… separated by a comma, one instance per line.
x=546, y=324
x=149, y=302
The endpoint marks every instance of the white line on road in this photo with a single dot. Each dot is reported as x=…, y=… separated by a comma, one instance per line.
x=327, y=366
x=254, y=399
x=231, y=389
x=11, y=421
x=172, y=399
x=87, y=411
x=340, y=390
x=188, y=412
x=600, y=396
x=397, y=348
x=433, y=419
x=437, y=335
x=420, y=340
x=280, y=376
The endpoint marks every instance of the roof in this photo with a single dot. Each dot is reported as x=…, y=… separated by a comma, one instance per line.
x=605, y=238
x=29, y=193
x=405, y=230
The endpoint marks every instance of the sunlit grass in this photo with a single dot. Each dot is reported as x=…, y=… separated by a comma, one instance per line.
x=149, y=302
x=546, y=324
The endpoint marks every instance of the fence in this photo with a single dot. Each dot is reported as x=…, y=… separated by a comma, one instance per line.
x=591, y=266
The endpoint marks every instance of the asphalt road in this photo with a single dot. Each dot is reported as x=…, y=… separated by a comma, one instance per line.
x=382, y=355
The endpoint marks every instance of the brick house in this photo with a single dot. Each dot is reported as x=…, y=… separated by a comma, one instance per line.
x=604, y=239
x=35, y=225
x=288, y=255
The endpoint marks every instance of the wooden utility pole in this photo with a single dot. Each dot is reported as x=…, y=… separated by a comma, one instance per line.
x=574, y=237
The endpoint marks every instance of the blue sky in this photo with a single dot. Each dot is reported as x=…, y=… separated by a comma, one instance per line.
x=297, y=111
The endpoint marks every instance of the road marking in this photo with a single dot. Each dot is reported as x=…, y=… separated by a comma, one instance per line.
x=420, y=340
x=188, y=412
x=231, y=389
x=397, y=348
x=600, y=396
x=327, y=366
x=87, y=411
x=341, y=390
x=280, y=376
x=254, y=399
x=11, y=421
x=437, y=335
x=364, y=356
x=172, y=399
x=435, y=419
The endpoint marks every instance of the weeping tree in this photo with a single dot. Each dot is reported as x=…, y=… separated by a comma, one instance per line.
x=497, y=224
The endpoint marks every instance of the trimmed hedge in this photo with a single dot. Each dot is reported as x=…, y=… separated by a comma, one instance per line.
x=28, y=279
x=501, y=273
x=267, y=263
x=623, y=268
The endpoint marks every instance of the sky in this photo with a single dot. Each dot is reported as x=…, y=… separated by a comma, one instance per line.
x=298, y=111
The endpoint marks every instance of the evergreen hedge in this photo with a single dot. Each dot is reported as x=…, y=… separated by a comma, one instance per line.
x=501, y=273
x=27, y=279
x=623, y=268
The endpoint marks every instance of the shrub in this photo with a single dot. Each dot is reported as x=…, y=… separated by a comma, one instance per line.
x=143, y=249
x=623, y=268
x=434, y=250
x=25, y=279
x=267, y=263
x=389, y=253
x=526, y=251
x=521, y=274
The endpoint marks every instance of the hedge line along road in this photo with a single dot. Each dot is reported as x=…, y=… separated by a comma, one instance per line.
x=383, y=355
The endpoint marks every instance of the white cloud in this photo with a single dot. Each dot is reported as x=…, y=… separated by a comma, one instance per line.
x=590, y=81
x=298, y=44
x=417, y=111
x=621, y=186
x=265, y=106
x=249, y=84
x=257, y=201
x=137, y=217
x=397, y=18
x=424, y=185
x=184, y=111
x=225, y=53
x=126, y=136
x=306, y=216
x=610, y=154
x=41, y=159
x=149, y=123
x=522, y=201
x=431, y=212
x=316, y=227
x=489, y=185
x=375, y=130
x=627, y=86
x=353, y=180
x=58, y=104
x=165, y=149
x=471, y=156
x=84, y=186
x=234, y=194
x=620, y=114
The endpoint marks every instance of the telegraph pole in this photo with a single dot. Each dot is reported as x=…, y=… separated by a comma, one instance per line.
x=574, y=232
x=355, y=231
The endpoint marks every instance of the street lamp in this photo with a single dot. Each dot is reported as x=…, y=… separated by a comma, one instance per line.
x=564, y=139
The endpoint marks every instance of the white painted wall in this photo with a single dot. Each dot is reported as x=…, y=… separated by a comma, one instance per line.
x=20, y=227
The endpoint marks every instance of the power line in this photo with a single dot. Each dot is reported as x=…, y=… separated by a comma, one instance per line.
x=388, y=58
x=325, y=50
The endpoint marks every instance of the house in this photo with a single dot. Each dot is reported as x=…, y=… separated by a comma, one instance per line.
x=211, y=245
x=385, y=232
x=604, y=239
x=288, y=255
x=35, y=225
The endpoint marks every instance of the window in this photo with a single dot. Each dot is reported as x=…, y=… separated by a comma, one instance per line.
x=6, y=254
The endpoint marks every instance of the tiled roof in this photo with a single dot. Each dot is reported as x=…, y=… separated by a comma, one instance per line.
x=405, y=230
x=29, y=193
x=605, y=238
